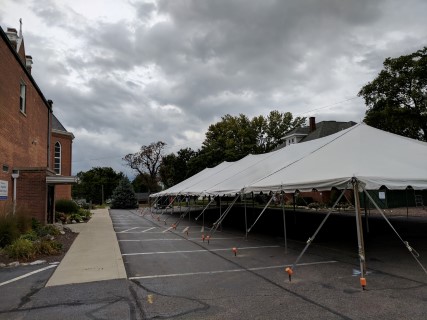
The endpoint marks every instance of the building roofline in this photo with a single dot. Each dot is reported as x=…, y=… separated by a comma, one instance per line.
x=16, y=55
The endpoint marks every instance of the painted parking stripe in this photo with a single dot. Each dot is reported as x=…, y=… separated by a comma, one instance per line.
x=195, y=251
x=28, y=274
x=176, y=239
x=168, y=229
x=128, y=230
x=225, y=271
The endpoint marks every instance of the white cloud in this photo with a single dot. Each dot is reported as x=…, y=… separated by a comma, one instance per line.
x=127, y=73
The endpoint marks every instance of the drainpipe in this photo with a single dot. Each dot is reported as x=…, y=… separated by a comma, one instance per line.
x=49, y=132
x=15, y=176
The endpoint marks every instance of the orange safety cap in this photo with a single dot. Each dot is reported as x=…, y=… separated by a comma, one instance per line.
x=289, y=271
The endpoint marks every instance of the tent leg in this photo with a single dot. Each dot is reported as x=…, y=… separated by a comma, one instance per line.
x=284, y=222
x=360, y=241
x=268, y=203
x=246, y=219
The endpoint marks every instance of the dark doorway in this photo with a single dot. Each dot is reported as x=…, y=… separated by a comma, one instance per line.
x=50, y=204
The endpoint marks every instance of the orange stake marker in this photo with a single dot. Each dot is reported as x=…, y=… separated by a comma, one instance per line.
x=289, y=272
x=203, y=237
x=208, y=238
x=363, y=283
x=174, y=226
x=235, y=251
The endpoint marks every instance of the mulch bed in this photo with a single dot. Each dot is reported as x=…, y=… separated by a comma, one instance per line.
x=66, y=240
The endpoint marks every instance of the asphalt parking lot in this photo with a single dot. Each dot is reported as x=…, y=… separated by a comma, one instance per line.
x=182, y=277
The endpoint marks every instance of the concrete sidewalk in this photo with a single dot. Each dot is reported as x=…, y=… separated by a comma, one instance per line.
x=94, y=255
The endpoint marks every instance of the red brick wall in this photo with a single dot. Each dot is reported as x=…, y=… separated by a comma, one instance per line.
x=23, y=137
x=32, y=193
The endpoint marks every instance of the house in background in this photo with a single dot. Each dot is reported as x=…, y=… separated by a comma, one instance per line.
x=35, y=149
x=314, y=131
x=311, y=132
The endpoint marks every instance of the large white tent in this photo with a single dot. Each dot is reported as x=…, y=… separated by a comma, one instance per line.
x=374, y=157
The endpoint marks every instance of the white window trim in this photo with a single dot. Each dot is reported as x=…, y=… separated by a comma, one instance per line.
x=59, y=158
x=23, y=107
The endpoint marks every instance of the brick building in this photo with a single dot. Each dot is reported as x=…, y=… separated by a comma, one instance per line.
x=35, y=149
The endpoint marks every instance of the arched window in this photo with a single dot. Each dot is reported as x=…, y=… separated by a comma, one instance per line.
x=57, y=158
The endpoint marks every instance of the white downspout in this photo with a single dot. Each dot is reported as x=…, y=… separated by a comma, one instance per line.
x=15, y=176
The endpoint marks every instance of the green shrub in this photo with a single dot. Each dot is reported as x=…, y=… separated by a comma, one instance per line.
x=48, y=247
x=31, y=235
x=47, y=230
x=9, y=230
x=21, y=249
x=85, y=214
x=66, y=206
x=24, y=223
x=60, y=216
x=76, y=216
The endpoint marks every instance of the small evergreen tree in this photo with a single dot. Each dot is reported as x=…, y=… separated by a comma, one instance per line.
x=123, y=196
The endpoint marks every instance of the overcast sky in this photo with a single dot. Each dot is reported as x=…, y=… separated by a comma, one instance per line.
x=126, y=73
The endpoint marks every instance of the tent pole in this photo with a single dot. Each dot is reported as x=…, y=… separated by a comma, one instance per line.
x=246, y=217
x=219, y=221
x=282, y=199
x=359, y=227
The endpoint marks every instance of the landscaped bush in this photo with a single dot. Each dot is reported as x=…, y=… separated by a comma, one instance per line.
x=9, y=230
x=48, y=247
x=77, y=217
x=66, y=206
x=21, y=249
x=85, y=214
x=47, y=230
x=31, y=235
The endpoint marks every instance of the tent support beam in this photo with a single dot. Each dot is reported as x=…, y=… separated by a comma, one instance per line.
x=203, y=211
x=265, y=208
x=411, y=250
x=359, y=227
x=222, y=217
x=246, y=218
x=282, y=200
x=310, y=240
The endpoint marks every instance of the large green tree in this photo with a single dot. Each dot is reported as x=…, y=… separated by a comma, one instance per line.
x=397, y=97
x=96, y=183
x=234, y=137
x=176, y=168
x=146, y=162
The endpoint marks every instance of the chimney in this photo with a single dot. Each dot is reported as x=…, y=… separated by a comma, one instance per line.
x=28, y=63
x=12, y=34
x=312, y=121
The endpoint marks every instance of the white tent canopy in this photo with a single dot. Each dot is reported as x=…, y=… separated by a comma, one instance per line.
x=374, y=157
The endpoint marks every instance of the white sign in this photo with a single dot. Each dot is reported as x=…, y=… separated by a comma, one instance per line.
x=381, y=195
x=3, y=190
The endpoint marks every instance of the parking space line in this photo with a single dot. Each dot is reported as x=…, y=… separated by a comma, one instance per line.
x=28, y=274
x=148, y=229
x=176, y=239
x=225, y=271
x=168, y=229
x=128, y=230
x=195, y=251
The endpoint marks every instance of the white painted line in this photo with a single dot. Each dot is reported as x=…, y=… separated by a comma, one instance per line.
x=148, y=229
x=168, y=229
x=225, y=271
x=28, y=274
x=194, y=251
x=177, y=239
x=128, y=230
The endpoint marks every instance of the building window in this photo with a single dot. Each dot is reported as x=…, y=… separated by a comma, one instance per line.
x=57, y=158
x=5, y=168
x=22, y=94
